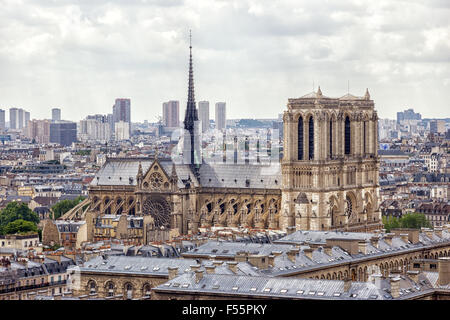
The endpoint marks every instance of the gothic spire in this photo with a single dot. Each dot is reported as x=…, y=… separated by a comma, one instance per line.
x=191, y=114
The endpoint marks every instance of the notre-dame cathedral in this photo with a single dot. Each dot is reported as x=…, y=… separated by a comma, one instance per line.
x=327, y=178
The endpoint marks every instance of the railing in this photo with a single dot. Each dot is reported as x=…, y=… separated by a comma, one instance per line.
x=32, y=287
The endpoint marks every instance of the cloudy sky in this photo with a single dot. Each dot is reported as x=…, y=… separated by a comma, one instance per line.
x=81, y=55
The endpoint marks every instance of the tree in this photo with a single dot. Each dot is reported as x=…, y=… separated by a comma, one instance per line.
x=410, y=220
x=15, y=211
x=20, y=226
x=65, y=205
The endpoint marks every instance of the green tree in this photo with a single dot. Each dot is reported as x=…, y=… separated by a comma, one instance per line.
x=65, y=205
x=15, y=211
x=20, y=226
x=415, y=220
x=410, y=220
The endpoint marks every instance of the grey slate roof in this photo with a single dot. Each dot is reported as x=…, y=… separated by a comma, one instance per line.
x=230, y=249
x=301, y=236
x=292, y=288
x=123, y=171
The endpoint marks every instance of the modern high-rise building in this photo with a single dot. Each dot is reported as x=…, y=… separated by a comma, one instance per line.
x=408, y=115
x=63, y=132
x=56, y=114
x=203, y=114
x=39, y=130
x=122, y=130
x=95, y=128
x=221, y=116
x=171, y=114
x=13, y=118
x=122, y=111
x=2, y=120
x=18, y=118
x=437, y=126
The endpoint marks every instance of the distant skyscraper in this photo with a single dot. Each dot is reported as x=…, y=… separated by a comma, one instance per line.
x=408, y=115
x=203, y=114
x=221, y=115
x=39, y=130
x=13, y=118
x=21, y=118
x=26, y=119
x=2, y=119
x=171, y=114
x=437, y=126
x=63, y=132
x=122, y=130
x=122, y=111
x=56, y=114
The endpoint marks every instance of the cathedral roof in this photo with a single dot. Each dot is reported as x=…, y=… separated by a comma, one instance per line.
x=123, y=171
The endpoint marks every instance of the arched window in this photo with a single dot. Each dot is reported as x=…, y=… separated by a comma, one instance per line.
x=347, y=135
x=300, y=138
x=311, y=138
x=331, y=138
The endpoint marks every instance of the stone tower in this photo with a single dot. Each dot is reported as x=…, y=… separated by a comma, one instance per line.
x=330, y=164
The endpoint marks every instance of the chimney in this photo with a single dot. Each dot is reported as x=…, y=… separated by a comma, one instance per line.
x=277, y=253
x=429, y=233
x=241, y=256
x=210, y=269
x=328, y=250
x=388, y=238
x=308, y=252
x=444, y=271
x=291, y=254
x=374, y=241
x=404, y=237
x=376, y=279
x=413, y=275
x=57, y=296
x=362, y=247
x=198, y=275
x=395, y=287
x=347, y=284
x=271, y=259
x=217, y=263
x=232, y=265
x=195, y=267
x=290, y=230
x=438, y=232
x=173, y=272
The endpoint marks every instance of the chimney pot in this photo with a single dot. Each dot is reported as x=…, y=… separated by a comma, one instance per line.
x=210, y=269
x=232, y=265
x=444, y=271
x=395, y=287
x=414, y=275
x=198, y=275
x=173, y=271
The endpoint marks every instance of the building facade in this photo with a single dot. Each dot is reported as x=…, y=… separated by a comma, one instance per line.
x=330, y=164
x=221, y=116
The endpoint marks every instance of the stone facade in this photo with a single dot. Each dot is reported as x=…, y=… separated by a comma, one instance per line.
x=330, y=164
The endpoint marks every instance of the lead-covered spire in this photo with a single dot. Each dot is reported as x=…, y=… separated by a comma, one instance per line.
x=191, y=114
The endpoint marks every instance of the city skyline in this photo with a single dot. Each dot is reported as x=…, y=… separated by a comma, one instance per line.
x=390, y=55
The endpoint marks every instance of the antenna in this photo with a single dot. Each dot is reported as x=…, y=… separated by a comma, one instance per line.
x=190, y=38
x=348, y=86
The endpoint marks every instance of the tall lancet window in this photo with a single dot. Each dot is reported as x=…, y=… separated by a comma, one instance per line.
x=311, y=138
x=347, y=135
x=300, y=138
x=331, y=138
x=364, y=138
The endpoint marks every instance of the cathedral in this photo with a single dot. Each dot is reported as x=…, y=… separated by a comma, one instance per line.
x=327, y=178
